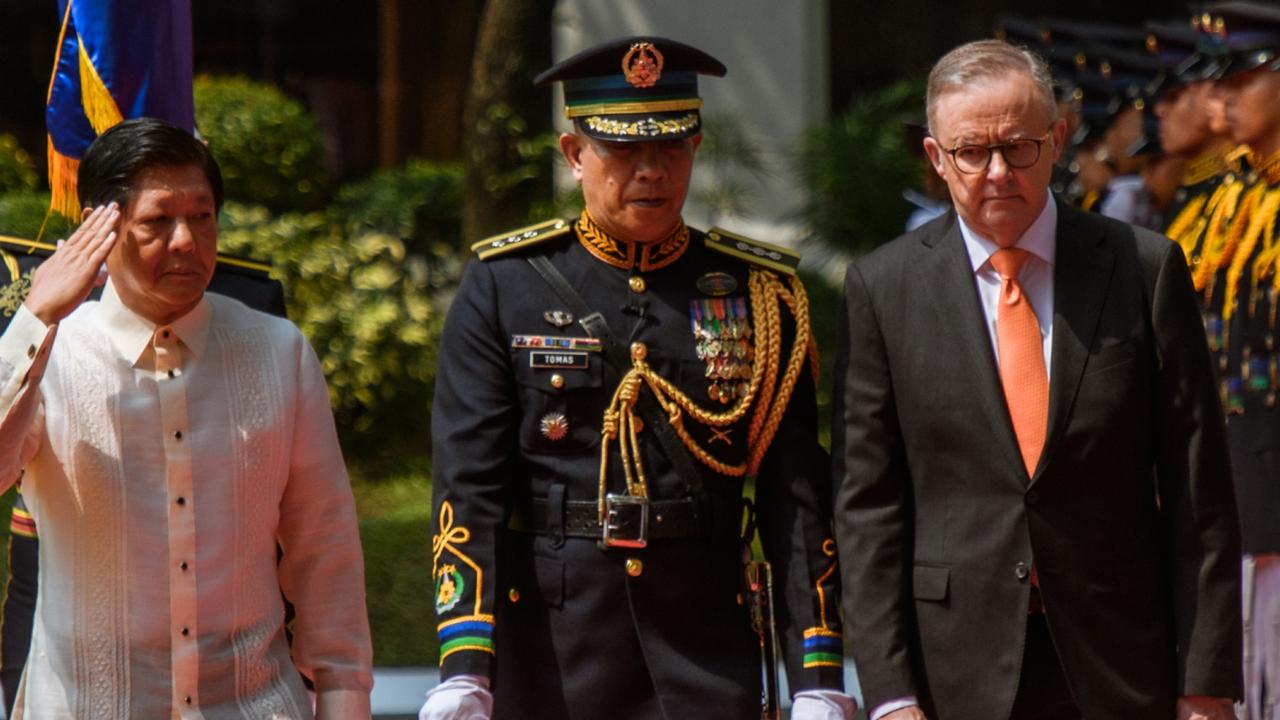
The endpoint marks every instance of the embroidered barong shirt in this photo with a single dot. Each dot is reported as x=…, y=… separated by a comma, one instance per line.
x=163, y=465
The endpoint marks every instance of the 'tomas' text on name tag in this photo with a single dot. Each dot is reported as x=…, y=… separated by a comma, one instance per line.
x=558, y=360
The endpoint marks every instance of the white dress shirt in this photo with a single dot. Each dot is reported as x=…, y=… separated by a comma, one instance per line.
x=163, y=465
x=1036, y=278
x=1036, y=275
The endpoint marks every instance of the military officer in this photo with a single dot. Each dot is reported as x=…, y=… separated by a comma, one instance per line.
x=608, y=386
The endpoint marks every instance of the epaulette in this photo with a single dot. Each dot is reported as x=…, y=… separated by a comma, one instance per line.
x=775, y=258
x=23, y=246
x=244, y=266
x=522, y=238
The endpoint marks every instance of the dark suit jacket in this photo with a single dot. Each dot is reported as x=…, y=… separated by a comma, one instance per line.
x=1129, y=517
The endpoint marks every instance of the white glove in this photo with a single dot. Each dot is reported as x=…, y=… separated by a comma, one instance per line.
x=461, y=697
x=822, y=705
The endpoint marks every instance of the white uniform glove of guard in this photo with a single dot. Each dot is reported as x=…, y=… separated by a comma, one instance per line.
x=822, y=705
x=461, y=697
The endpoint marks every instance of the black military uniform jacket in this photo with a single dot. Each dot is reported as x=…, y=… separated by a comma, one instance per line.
x=1242, y=302
x=1205, y=202
x=565, y=628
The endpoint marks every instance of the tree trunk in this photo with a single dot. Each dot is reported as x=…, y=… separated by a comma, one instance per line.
x=503, y=108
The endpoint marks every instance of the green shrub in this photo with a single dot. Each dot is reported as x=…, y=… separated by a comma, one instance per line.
x=368, y=308
x=17, y=171
x=22, y=213
x=420, y=204
x=856, y=167
x=267, y=144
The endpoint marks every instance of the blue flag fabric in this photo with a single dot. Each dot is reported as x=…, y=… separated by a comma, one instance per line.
x=116, y=59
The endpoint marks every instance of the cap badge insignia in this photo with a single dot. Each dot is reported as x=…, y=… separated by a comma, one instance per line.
x=642, y=65
x=717, y=284
x=554, y=426
x=559, y=318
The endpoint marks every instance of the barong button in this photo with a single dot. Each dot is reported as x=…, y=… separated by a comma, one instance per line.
x=634, y=567
x=31, y=351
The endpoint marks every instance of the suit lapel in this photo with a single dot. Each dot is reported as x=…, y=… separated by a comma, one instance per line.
x=947, y=276
x=1081, y=279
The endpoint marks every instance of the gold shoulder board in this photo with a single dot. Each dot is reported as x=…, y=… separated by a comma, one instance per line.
x=244, y=266
x=519, y=239
x=773, y=257
x=23, y=246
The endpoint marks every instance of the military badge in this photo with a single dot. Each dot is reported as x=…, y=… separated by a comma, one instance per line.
x=642, y=65
x=449, y=587
x=554, y=342
x=716, y=284
x=722, y=340
x=554, y=426
x=559, y=318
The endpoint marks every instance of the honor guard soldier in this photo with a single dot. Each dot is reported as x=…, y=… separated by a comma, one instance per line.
x=608, y=386
x=1243, y=301
x=1193, y=127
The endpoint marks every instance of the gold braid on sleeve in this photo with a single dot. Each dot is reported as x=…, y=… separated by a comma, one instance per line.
x=766, y=396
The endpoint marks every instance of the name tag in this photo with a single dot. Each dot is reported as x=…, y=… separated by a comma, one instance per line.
x=558, y=360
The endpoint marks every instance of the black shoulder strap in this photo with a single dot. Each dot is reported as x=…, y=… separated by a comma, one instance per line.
x=595, y=325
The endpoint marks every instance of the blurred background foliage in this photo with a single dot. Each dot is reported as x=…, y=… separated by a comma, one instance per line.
x=370, y=266
x=856, y=168
x=730, y=163
x=267, y=144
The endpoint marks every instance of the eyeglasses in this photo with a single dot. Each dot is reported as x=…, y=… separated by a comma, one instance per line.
x=1021, y=153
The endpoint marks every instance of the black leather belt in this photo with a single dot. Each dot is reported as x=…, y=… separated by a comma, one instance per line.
x=667, y=519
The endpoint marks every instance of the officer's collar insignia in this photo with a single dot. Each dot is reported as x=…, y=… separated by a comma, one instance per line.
x=559, y=318
x=624, y=254
x=773, y=257
x=717, y=284
x=642, y=65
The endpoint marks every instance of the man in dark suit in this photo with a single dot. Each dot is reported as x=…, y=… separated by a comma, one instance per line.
x=1034, y=509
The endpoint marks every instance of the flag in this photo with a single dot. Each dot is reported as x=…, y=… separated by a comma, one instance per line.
x=115, y=59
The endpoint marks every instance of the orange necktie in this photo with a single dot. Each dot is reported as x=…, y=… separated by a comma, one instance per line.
x=1022, y=371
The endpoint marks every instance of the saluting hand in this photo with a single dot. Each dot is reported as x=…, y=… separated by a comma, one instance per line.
x=63, y=281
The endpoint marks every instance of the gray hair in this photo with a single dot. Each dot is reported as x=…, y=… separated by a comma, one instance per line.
x=986, y=60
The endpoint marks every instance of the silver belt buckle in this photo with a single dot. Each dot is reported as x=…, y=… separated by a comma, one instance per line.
x=626, y=521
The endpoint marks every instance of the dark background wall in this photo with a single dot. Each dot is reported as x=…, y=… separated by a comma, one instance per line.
x=877, y=42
